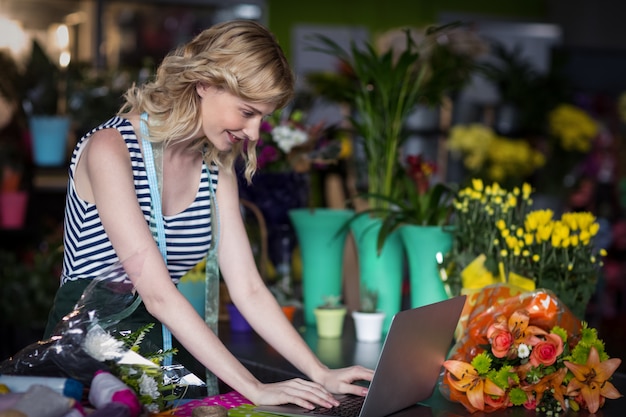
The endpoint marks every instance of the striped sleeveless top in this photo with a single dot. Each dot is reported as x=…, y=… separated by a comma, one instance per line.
x=88, y=253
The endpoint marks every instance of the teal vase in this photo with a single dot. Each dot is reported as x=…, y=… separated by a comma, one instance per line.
x=50, y=139
x=195, y=293
x=383, y=272
x=424, y=245
x=322, y=241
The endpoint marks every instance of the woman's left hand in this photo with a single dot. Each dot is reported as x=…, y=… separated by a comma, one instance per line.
x=341, y=381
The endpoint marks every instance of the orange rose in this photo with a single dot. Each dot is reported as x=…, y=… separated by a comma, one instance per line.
x=546, y=352
x=501, y=341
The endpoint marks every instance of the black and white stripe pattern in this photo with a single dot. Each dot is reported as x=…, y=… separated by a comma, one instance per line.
x=88, y=253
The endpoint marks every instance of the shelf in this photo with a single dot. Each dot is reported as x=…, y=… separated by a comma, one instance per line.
x=50, y=179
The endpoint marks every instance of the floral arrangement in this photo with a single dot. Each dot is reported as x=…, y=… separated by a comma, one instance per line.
x=288, y=144
x=572, y=127
x=493, y=157
x=528, y=350
x=143, y=374
x=499, y=238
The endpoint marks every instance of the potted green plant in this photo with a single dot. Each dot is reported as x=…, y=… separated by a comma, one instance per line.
x=330, y=317
x=387, y=86
x=45, y=88
x=385, y=90
x=368, y=320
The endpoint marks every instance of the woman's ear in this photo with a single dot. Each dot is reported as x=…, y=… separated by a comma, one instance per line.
x=201, y=89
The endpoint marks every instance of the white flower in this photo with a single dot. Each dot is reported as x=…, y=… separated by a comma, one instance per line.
x=101, y=345
x=523, y=351
x=152, y=408
x=287, y=138
x=148, y=386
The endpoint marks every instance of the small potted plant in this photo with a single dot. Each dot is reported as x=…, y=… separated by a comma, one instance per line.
x=285, y=298
x=330, y=317
x=368, y=320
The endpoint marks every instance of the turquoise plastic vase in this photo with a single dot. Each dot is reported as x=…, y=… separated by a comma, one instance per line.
x=321, y=248
x=423, y=245
x=50, y=139
x=383, y=272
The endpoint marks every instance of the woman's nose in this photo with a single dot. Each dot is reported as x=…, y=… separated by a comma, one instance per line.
x=253, y=129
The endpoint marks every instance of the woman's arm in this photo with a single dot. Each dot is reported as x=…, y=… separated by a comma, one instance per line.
x=258, y=305
x=104, y=176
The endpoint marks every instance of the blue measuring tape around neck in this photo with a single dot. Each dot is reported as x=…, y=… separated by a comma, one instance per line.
x=212, y=269
x=155, y=197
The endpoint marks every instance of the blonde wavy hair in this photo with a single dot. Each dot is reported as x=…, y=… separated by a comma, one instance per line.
x=241, y=57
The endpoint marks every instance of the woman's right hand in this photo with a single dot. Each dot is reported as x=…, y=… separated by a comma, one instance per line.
x=306, y=394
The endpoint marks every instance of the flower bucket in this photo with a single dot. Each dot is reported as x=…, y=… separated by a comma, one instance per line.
x=424, y=245
x=50, y=136
x=322, y=254
x=195, y=292
x=13, y=206
x=382, y=273
x=238, y=322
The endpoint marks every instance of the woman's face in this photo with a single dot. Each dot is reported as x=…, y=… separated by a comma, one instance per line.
x=228, y=119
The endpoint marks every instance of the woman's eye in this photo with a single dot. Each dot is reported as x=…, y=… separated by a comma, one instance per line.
x=247, y=114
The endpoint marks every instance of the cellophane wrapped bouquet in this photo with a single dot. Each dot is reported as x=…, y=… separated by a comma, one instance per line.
x=91, y=338
x=527, y=349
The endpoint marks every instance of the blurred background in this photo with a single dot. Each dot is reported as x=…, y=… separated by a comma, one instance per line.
x=74, y=58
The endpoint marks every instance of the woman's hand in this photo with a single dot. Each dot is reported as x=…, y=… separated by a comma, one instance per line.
x=341, y=381
x=297, y=391
x=309, y=394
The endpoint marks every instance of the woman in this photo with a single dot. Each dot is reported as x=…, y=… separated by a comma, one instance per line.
x=203, y=109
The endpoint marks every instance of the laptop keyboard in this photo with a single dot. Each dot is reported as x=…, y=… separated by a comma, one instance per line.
x=350, y=406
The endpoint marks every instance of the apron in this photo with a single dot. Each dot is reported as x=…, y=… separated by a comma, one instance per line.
x=136, y=315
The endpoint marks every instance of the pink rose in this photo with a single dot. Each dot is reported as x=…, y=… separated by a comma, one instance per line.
x=546, y=351
x=501, y=341
x=531, y=403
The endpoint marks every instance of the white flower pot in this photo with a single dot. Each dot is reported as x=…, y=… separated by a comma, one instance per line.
x=368, y=326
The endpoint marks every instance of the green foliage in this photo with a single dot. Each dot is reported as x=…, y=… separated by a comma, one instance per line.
x=147, y=381
x=517, y=396
x=369, y=299
x=41, y=83
x=588, y=339
x=332, y=302
x=386, y=90
x=503, y=376
x=432, y=208
x=29, y=286
x=482, y=363
x=532, y=93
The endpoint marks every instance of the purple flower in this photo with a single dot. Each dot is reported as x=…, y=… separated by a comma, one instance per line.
x=267, y=155
x=266, y=127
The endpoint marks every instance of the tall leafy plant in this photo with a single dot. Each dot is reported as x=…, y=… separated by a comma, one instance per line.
x=387, y=88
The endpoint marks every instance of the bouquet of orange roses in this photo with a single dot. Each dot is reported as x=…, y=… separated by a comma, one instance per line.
x=527, y=350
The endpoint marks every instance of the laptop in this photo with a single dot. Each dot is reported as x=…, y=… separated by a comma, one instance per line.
x=408, y=367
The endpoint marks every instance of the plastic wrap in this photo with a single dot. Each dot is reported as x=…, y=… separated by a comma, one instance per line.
x=482, y=307
x=533, y=340
x=87, y=339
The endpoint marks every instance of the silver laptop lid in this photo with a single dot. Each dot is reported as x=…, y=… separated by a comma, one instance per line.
x=413, y=353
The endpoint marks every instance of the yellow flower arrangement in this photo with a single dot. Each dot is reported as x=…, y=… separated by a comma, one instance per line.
x=492, y=157
x=498, y=238
x=572, y=127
